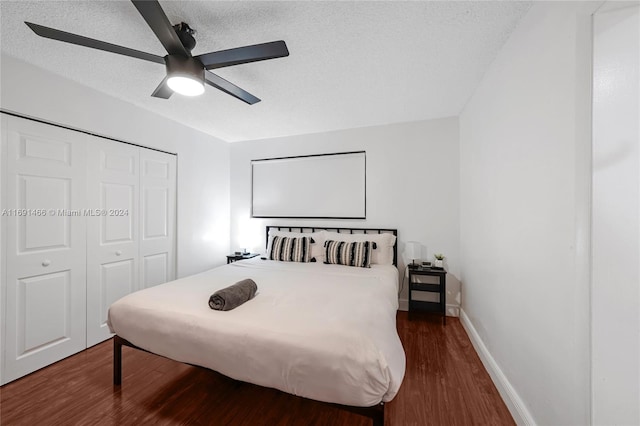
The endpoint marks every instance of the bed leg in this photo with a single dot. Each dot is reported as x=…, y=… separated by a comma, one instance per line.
x=117, y=361
x=378, y=417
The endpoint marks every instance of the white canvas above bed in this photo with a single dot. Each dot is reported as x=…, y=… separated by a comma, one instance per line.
x=313, y=186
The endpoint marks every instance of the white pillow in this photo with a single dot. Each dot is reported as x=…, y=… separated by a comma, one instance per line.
x=317, y=247
x=382, y=255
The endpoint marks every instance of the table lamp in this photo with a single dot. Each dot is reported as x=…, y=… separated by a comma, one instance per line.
x=412, y=250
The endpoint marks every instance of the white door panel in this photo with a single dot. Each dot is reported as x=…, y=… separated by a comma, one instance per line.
x=45, y=249
x=157, y=215
x=114, y=164
x=117, y=224
x=117, y=279
x=43, y=310
x=157, y=165
x=46, y=231
x=157, y=244
x=34, y=148
x=113, y=235
x=156, y=269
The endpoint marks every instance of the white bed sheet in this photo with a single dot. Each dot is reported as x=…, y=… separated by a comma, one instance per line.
x=325, y=332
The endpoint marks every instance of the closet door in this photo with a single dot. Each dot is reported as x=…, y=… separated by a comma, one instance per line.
x=112, y=231
x=44, y=198
x=157, y=245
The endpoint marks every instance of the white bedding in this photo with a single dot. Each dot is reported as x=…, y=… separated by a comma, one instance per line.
x=325, y=332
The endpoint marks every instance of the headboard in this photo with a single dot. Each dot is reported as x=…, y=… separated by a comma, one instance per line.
x=339, y=230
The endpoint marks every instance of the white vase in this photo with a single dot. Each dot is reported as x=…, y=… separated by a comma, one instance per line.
x=438, y=263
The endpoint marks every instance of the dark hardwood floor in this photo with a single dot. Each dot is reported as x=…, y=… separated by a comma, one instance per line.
x=445, y=384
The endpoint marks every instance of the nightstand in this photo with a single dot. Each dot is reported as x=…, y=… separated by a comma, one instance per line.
x=233, y=257
x=440, y=287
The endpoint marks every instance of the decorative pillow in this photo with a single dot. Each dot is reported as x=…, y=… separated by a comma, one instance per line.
x=383, y=251
x=348, y=253
x=291, y=249
x=317, y=241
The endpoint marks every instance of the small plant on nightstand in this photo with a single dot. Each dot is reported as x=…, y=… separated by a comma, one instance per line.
x=439, y=260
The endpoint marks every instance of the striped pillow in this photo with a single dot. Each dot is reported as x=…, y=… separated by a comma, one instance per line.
x=290, y=249
x=348, y=253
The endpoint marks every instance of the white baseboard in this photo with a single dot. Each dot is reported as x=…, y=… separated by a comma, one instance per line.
x=404, y=305
x=514, y=403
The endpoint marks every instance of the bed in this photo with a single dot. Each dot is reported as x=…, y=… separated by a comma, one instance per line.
x=319, y=331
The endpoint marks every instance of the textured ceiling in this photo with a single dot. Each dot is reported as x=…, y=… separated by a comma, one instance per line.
x=351, y=64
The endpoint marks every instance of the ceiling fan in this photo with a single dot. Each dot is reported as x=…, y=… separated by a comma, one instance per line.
x=186, y=74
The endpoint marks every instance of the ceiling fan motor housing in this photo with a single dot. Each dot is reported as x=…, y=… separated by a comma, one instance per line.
x=184, y=67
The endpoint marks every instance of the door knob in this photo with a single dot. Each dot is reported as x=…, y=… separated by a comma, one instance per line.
x=46, y=262
x=118, y=252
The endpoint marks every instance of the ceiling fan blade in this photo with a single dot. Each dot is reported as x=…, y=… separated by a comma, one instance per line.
x=243, y=55
x=163, y=90
x=220, y=83
x=155, y=17
x=94, y=44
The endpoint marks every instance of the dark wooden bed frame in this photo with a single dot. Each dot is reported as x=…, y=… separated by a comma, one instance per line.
x=375, y=413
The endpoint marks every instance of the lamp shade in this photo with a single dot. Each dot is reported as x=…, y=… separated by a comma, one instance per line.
x=412, y=250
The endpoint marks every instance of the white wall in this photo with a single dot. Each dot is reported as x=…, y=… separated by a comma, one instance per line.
x=412, y=185
x=616, y=212
x=524, y=216
x=203, y=161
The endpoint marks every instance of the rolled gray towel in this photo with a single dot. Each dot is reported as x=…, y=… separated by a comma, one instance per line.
x=233, y=296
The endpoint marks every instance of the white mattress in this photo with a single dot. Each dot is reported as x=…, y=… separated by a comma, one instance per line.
x=325, y=332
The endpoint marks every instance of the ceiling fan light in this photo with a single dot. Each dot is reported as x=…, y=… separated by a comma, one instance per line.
x=185, y=75
x=187, y=86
